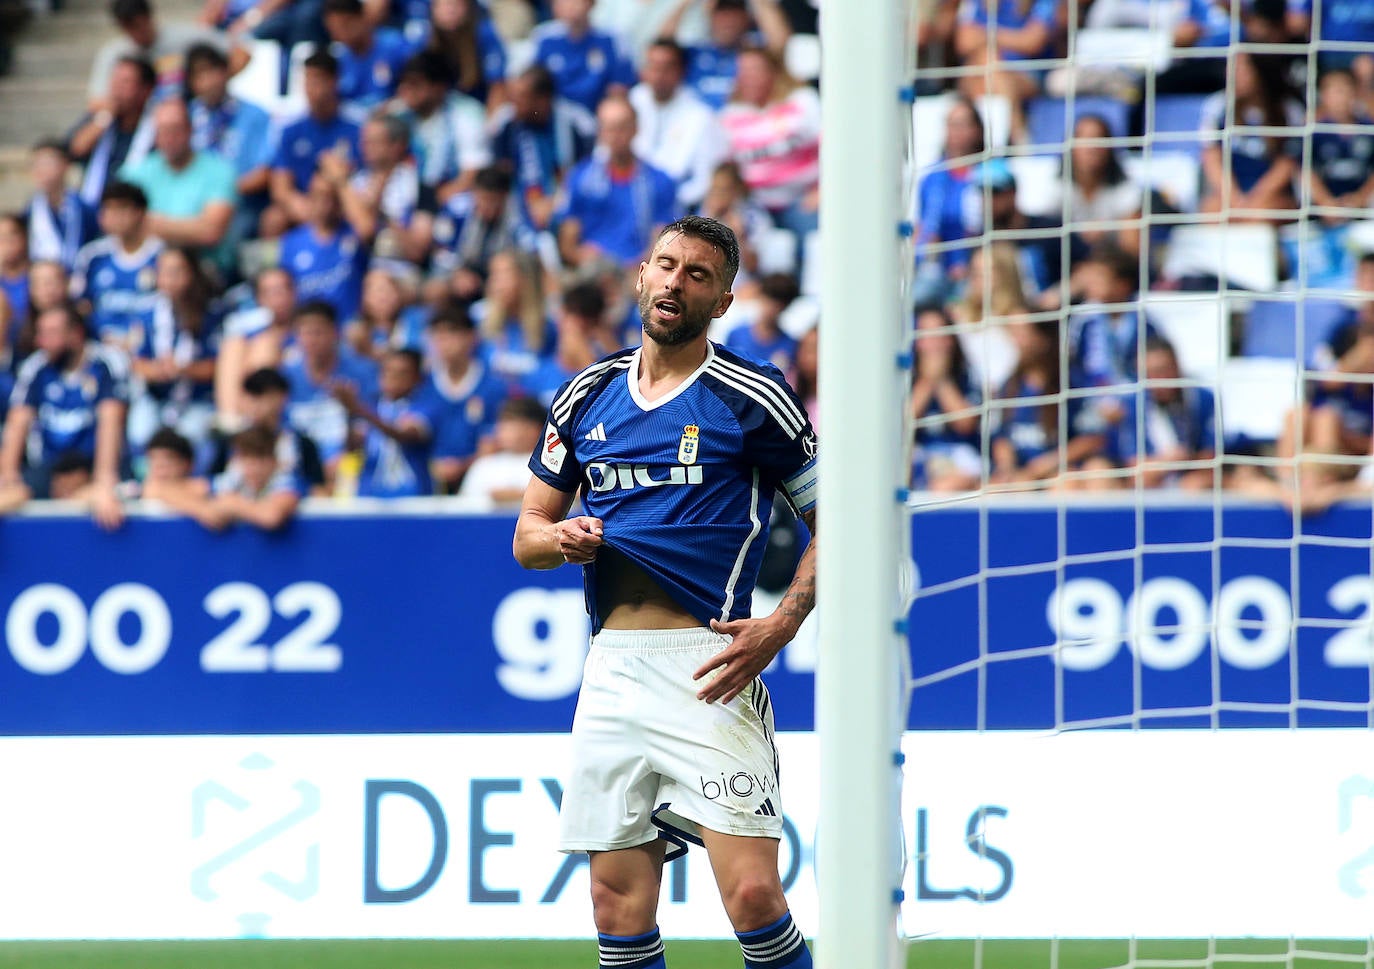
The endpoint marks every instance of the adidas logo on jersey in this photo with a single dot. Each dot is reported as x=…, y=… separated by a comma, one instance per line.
x=602, y=476
x=597, y=433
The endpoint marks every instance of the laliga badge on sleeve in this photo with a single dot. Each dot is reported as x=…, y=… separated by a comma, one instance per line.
x=688, y=446
x=552, y=451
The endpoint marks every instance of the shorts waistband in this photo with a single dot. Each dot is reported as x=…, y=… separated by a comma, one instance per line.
x=657, y=640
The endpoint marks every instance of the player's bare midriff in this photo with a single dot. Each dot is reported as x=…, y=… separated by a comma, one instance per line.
x=629, y=599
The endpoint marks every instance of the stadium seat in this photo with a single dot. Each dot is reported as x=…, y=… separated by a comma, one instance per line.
x=1246, y=256
x=260, y=79
x=1178, y=114
x=1271, y=328
x=777, y=250
x=1174, y=174
x=1196, y=326
x=990, y=354
x=1049, y=124
x=1256, y=394
x=803, y=56
x=1037, y=183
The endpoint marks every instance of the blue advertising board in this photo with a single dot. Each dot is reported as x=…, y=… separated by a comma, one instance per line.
x=1175, y=615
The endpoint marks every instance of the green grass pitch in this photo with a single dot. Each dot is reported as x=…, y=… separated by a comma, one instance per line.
x=375, y=954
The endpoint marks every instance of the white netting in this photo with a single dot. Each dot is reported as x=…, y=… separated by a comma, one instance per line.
x=1141, y=414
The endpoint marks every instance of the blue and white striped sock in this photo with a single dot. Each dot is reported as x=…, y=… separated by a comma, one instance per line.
x=631, y=951
x=775, y=946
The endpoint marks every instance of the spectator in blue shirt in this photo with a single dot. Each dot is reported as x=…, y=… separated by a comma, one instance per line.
x=59, y=221
x=449, y=139
x=516, y=331
x=1258, y=185
x=614, y=203
x=71, y=396
x=1109, y=332
x=471, y=228
x=325, y=256
x=400, y=430
x=467, y=394
x=1342, y=172
x=711, y=66
x=1166, y=424
x=461, y=32
x=587, y=64
x=1343, y=21
x=115, y=280
x=951, y=207
x=538, y=137
x=14, y=288
x=763, y=339
x=1026, y=30
x=370, y=59
x=323, y=128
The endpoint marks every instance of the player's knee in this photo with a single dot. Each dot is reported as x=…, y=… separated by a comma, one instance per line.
x=754, y=901
x=621, y=909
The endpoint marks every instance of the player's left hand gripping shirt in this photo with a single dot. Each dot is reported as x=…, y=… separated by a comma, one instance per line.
x=683, y=484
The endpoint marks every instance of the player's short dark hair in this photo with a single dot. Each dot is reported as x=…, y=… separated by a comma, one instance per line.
x=52, y=144
x=716, y=233
x=255, y=442
x=264, y=381
x=147, y=76
x=521, y=409
x=410, y=355
x=541, y=80
x=453, y=315
x=493, y=179
x=352, y=8
x=429, y=65
x=124, y=11
x=586, y=300
x=672, y=47
x=126, y=192
x=780, y=288
x=316, y=307
x=203, y=55
x=322, y=60
x=167, y=439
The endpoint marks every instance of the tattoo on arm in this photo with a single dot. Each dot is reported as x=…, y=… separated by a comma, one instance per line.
x=800, y=597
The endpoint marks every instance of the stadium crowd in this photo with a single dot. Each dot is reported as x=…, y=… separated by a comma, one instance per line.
x=225, y=306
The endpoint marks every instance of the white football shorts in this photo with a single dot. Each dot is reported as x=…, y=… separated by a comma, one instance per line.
x=651, y=761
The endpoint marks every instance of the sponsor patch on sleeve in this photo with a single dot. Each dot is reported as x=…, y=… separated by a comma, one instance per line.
x=552, y=451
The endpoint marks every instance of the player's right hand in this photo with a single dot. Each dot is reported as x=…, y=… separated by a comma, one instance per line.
x=579, y=538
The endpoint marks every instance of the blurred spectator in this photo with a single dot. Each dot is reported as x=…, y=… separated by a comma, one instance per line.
x=773, y=127
x=641, y=22
x=515, y=329
x=380, y=198
x=254, y=338
x=264, y=396
x=254, y=488
x=467, y=394
x=59, y=222
x=712, y=66
x=190, y=193
x=323, y=128
x=469, y=230
x=944, y=398
x=949, y=207
x=462, y=33
x=1206, y=24
x=370, y=58
x=1343, y=22
x=578, y=343
x=762, y=339
x=177, y=359
x=587, y=64
x=116, y=277
x=805, y=383
x=169, y=480
x=400, y=431
x=14, y=285
x=498, y=479
x=537, y=137
x=1166, y=423
x=934, y=23
x=1108, y=333
x=161, y=44
x=614, y=203
x=323, y=363
x=1099, y=190
x=1341, y=175
x=1025, y=31
x=237, y=130
x=386, y=321
x=995, y=293
x=450, y=136
x=1039, y=252
x=49, y=287
x=325, y=256
x=1258, y=185
x=71, y=395
x=677, y=132
x=118, y=131
x=1026, y=437
x=727, y=201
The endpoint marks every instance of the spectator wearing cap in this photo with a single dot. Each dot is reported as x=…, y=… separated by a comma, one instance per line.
x=587, y=64
x=614, y=203
x=324, y=128
x=117, y=130
x=161, y=44
x=732, y=25
x=59, y=221
x=1038, y=253
x=370, y=58
x=538, y=137
x=678, y=132
x=449, y=129
x=467, y=394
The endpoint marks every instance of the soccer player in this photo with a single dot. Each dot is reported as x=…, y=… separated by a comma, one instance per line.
x=678, y=448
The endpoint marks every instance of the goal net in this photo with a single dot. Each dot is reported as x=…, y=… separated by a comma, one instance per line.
x=1140, y=300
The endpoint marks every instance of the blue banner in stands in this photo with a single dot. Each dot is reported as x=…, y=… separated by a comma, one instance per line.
x=407, y=624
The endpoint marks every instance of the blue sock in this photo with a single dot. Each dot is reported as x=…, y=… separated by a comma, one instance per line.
x=775, y=946
x=631, y=951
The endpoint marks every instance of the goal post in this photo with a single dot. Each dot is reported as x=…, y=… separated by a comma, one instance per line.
x=861, y=686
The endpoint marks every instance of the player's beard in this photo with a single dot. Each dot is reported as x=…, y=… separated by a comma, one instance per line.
x=687, y=328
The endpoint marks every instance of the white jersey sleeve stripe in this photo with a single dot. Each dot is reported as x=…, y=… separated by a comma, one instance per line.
x=581, y=385
x=795, y=419
x=784, y=421
x=771, y=387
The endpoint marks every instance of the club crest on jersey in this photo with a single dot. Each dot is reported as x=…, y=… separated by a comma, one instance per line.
x=552, y=450
x=689, y=445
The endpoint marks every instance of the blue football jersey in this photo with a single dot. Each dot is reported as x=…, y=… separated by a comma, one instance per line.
x=121, y=288
x=65, y=403
x=684, y=484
